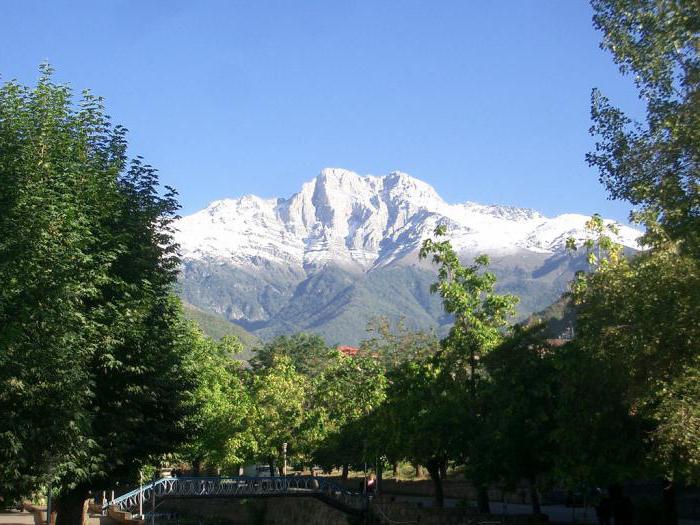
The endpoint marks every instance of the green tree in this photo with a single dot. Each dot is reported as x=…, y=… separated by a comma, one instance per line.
x=309, y=353
x=467, y=294
x=636, y=355
x=279, y=401
x=348, y=390
x=638, y=319
x=90, y=335
x=600, y=440
x=518, y=404
x=421, y=419
x=676, y=412
x=653, y=165
x=221, y=437
x=394, y=344
x=480, y=316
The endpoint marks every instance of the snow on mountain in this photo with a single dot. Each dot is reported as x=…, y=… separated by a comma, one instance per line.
x=365, y=222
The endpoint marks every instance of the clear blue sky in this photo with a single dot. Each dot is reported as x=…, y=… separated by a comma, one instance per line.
x=487, y=101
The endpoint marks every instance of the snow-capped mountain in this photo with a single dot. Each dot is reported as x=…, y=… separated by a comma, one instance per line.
x=366, y=221
x=333, y=244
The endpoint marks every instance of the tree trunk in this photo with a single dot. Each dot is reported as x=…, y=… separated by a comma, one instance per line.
x=443, y=470
x=380, y=472
x=70, y=507
x=434, y=471
x=417, y=467
x=395, y=468
x=669, y=502
x=271, y=463
x=196, y=467
x=482, y=500
x=535, y=498
x=344, y=475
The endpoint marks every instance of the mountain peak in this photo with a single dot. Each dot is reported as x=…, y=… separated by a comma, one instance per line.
x=365, y=221
x=337, y=174
x=344, y=249
x=400, y=186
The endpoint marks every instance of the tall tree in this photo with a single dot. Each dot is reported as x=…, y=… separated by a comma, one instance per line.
x=421, y=418
x=479, y=318
x=638, y=320
x=518, y=404
x=278, y=415
x=467, y=293
x=91, y=338
x=309, y=353
x=348, y=390
x=220, y=435
x=654, y=165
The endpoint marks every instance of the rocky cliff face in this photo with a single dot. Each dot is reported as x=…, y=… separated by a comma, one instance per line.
x=344, y=249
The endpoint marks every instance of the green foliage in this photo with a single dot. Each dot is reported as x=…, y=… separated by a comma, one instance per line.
x=345, y=394
x=480, y=315
x=420, y=420
x=308, y=353
x=90, y=336
x=638, y=320
x=632, y=369
x=394, y=345
x=278, y=410
x=518, y=404
x=467, y=293
x=600, y=440
x=431, y=413
x=220, y=436
x=350, y=387
x=653, y=165
x=676, y=413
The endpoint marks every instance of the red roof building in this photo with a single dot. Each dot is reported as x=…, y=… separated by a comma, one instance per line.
x=348, y=350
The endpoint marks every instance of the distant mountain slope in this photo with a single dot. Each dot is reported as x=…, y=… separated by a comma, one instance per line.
x=216, y=326
x=559, y=318
x=344, y=250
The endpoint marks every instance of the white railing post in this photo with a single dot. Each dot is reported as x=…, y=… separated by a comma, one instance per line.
x=140, y=494
x=153, y=502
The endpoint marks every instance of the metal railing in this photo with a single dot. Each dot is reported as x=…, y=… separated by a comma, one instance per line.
x=239, y=486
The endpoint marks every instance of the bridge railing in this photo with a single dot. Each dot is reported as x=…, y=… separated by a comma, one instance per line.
x=238, y=486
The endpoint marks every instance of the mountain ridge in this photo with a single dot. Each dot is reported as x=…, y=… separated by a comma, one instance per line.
x=343, y=237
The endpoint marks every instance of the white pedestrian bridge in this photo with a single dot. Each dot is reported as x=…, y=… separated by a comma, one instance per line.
x=142, y=498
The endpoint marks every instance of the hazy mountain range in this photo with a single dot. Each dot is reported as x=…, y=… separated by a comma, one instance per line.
x=344, y=249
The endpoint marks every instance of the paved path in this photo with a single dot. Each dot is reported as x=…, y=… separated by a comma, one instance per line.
x=27, y=518
x=16, y=518
x=556, y=513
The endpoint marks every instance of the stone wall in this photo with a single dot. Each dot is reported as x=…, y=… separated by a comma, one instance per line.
x=260, y=511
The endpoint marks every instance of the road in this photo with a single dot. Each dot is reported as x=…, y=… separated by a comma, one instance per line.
x=556, y=513
x=27, y=518
x=16, y=518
